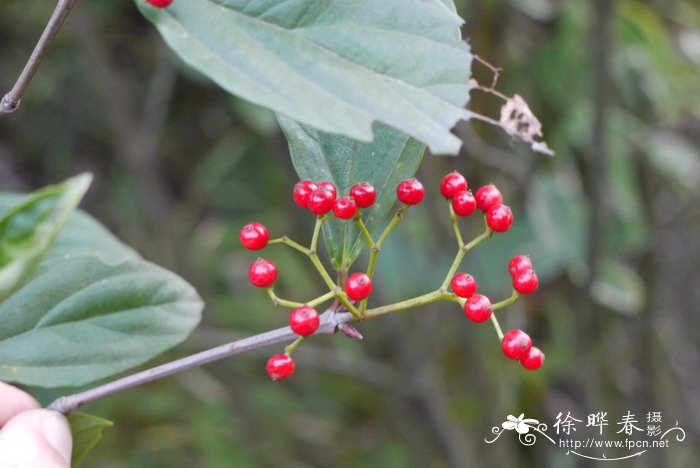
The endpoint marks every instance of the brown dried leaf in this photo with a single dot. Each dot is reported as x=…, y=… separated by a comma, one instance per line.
x=518, y=121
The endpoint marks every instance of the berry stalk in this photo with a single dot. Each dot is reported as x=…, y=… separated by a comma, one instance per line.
x=463, y=249
x=507, y=302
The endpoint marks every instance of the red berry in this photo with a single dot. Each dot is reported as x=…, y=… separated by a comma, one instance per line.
x=280, y=366
x=358, y=286
x=254, y=236
x=478, y=308
x=301, y=192
x=463, y=285
x=452, y=183
x=321, y=201
x=533, y=359
x=518, y=264
x=487, y=196
x=499, y=218
x=463, y=203
x=344, y=208
x=160, y=3
x=526, y=281
x=262, y=273
x=364, y=194
x=410, y=192
x=304, y=320
x=516, y=344
x=331, y=188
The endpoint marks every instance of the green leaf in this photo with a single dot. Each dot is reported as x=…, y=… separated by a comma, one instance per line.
x=335, y=65
x=391, y=158
x=87, y=432
x=82, y=318
x=619, y=287
x=94, y=308
x=29, y=229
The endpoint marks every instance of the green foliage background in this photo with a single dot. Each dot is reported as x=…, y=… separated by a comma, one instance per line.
x=180, y=166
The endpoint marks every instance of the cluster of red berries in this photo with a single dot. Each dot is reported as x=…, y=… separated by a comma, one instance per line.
x=516, y=344
x=488, y=199
x=159, y=3
x=321, y=197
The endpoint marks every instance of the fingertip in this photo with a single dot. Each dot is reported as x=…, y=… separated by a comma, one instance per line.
x=38, y=438
x=14, y=401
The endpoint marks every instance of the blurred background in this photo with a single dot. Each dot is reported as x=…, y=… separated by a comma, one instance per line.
x=612, y=224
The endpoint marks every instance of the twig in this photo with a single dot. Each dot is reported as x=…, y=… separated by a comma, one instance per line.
x=494, y=70
x=330, y=321
x=10, y=102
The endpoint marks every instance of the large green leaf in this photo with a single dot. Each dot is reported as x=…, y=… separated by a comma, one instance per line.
x=335, y=65
x=29, y=228
x=92, y=309
x=87, y=432
x=391, y=158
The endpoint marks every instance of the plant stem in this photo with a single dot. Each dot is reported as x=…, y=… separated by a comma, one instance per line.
x=311, y=253
x=392, y=224
x=330, y=321
x=429, y=298
x=322, y=299
x=10, y=102
x=343, y=298
x=317, y=230
x=293, y=345
x=365, y=232
x=506, y=302
x=455, y=226
x=283, y=302
x=377, y=246
x=494, y=321
x=287, y=241
x=463, y=249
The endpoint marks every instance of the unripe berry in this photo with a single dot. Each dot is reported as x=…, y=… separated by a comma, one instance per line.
x=516, y=344
x=364, y=194
x=487, y=196
x=519, y=263
x=280, y=366
x=331, y=188
x=304, y=320
x=358, y=286
x=262, y=273
x=452, y=183
x=160, y=3
x=478, y=308
x=463, y=285
x=321, y=201
x=533, y=359
x=499, y=218
x=301, y=192
x=410, y=192
x=526, y=281
x=463, y=203
x=254, y=236
x=344, y=208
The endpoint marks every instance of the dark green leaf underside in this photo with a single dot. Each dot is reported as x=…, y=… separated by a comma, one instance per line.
x=391, y=158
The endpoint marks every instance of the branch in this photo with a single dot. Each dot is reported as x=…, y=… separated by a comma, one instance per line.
x=330, y=322
x=10, y=102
